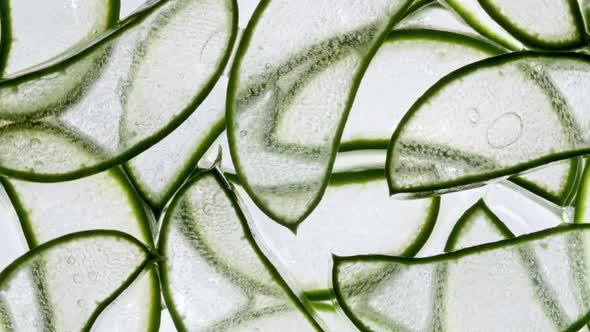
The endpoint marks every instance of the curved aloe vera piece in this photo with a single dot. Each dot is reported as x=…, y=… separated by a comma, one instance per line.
x=214, y=276
x=133, y=103
x=159, y=171
x=478, y=225
x=90, y=268
x=474, y=15
x=286, y=110
x=554, y=25
x=103, y=201
x=33, y=32
x=467, y=289
x=451, y=139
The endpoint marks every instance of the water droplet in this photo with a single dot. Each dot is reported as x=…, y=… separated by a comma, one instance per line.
x=71, y=260
x=243, y=133
x=268, y=66
x=78, y=279
x=473, y=115
x=34, y=142
x=181, y=75
x=505, y=130
x=81, y=303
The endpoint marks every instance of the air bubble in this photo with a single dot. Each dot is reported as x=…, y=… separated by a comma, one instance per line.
x=34, y=142
x=473, y=115
x=81, y=303
x=78, y=279
x=92, y=275
x=505, y=130
x=71, y=260
x=243, y=133
x=268, y=66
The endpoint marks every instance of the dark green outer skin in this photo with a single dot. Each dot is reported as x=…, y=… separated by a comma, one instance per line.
x=143, y=145
x=451, y=244
x=6, y=27
x=6, y=273
x=582, y=197
x=162, y=244
x=539, y=43
x=230, y=111
x=453, y=256
x=478, y=180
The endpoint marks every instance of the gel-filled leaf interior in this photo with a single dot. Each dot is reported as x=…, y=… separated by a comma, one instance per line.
x=214, y=276
x=90, y=267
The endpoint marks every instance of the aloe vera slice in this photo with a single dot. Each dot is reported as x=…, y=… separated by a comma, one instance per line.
x=474, y=15
x=102, y=201
x=37, y=31
x=535, y=116
x=474, y=291
x=214, y=275
x=274, y=133
x=111, y=259
x=132, y=104
x=554, y=25
x=478, y=225
x=160, y=170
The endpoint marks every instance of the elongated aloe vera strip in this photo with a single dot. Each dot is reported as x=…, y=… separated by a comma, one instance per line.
x=286, y=109
x=474, y=15
x=103, y=201
x=214, y=275
x=133, y=103
x=554, y=25
x=536, y=115
x=34, y=32
x=488, y=285
x=478, y=225
x=369, y=222
x=112, y=259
